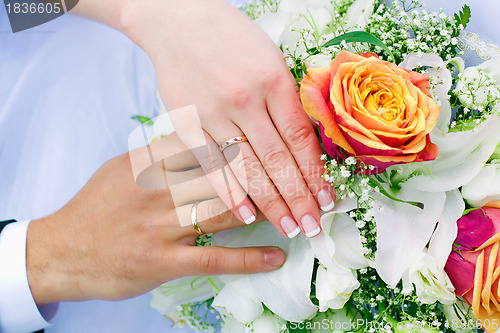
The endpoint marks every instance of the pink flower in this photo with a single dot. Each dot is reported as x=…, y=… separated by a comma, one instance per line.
x=474, y=264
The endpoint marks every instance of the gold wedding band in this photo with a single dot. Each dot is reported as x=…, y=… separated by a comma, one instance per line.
x=194, y=219
x=232, y=141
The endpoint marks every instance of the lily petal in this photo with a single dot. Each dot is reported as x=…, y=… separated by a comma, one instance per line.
x=483, y=188
x=461, y=157
x=446, y=231
x=347, y=239
x=286, y=291
x=237, y=300
x=412, y=225
x=167, y=297
x=334, y=286
x=358, y=14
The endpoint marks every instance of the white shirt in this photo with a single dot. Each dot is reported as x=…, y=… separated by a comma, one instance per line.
x=14, y=289
x=67, y=91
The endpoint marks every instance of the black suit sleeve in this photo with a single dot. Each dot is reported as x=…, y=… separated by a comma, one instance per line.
x=4, y=223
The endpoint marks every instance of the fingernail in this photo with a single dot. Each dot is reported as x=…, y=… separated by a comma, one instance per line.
x=246, y=214
x=325, y=200
x=310, y=226
x=290, y=227
x=274, y=257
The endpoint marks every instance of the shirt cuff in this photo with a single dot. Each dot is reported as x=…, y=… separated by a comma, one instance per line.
x=18, y=310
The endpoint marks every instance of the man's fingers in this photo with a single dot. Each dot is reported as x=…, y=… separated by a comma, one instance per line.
x=213, y=260
x=189, y=186
x=297, y=132
x=212, y=215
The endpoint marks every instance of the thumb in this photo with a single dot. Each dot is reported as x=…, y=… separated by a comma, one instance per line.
x=214, y=260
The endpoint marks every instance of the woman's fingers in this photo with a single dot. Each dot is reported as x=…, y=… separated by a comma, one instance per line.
x=297, y=132
x=248, y=170
x=213, y=260
x=187, y=123
x=285, y=174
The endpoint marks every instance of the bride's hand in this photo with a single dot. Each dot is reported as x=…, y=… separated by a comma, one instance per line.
x=116, y=240
x=209, y=54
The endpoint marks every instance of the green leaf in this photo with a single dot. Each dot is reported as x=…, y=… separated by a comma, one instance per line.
x=359, y=37
x=463, y=16
x=467, y=211
x=374, y=183
x=143, y=120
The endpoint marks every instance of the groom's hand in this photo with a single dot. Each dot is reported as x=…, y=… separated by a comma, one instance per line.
x=116, y=240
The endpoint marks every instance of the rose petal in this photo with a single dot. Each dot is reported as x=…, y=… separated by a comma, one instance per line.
x=474, y=229
x=461, y=273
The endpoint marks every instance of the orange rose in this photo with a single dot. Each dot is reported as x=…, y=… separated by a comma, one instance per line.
x=371, y=109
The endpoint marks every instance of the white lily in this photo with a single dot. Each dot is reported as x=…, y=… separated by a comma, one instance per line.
x=172, y=294
x=358, y=14
x=431, y=282
x=483, y=188
x=403, y=230
x=492, y=67
x=237, y=300
x=334, y=286
x=443, y=237
x=286, y=291
x=293, y=16
x=471, y=77
x=268, y=323
x=339, y=251
x=461, y=157
x=427, y=272
x=232, y=325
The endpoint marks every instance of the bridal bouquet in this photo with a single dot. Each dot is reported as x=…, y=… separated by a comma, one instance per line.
x=411, y=140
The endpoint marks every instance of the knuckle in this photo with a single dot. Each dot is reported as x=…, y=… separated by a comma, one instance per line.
x=209, y=261
x=274, y=77
x=298, y=198
x=299, y=136
x=246, y=261
x=270, y=204
x=312, y=172
x=219, y=214
x=275, y=158
x=248, y=166
x=238, y=95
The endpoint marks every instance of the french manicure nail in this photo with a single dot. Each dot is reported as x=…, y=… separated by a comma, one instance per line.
x=325, y=200
x=310, y=226
x=274, y=257
x=246, y=214
x=290, y=227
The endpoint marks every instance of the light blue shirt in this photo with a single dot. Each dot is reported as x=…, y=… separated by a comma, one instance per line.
x=67, y=91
